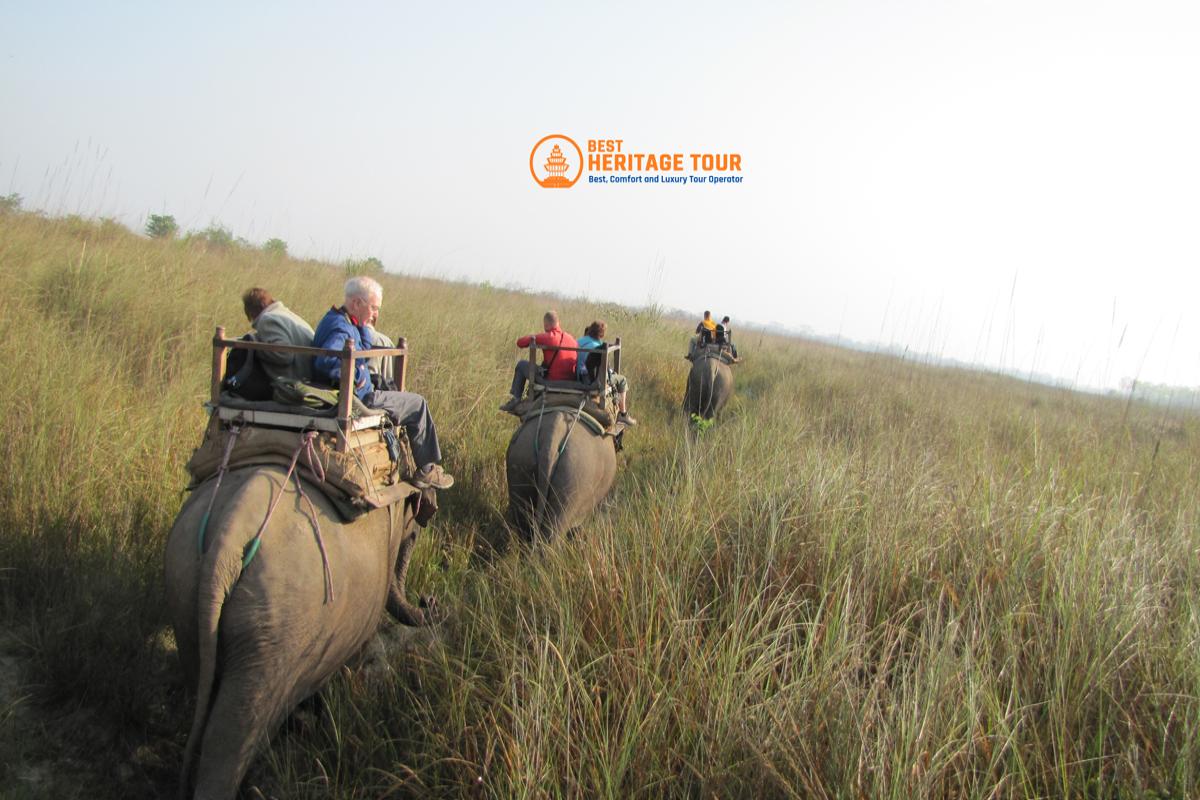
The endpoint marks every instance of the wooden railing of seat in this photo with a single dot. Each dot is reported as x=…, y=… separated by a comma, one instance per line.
x=609, y=354
x=347, y=355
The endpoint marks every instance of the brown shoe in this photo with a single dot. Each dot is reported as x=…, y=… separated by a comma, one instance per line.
x=433, y=478
x=626, y=419
x=511, y=405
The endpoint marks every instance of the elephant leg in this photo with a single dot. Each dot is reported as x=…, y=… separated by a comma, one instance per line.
x=397, y=604
x=520, y=515
x=244, y=712
x=554, y=519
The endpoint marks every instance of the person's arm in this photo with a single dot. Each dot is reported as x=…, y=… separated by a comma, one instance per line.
x=270, y=330
x=524, y=341
x=330, y=367
x=581, y=373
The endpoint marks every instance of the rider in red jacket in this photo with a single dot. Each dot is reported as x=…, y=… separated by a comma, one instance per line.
x=557, y=365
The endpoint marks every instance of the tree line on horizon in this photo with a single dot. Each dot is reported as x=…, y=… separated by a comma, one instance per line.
x=217, y=236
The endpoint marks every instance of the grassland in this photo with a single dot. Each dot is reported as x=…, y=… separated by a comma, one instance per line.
x=870, y=579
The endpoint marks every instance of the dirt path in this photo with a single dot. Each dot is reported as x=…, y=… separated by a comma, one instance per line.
x=21, y=774
x=35, y=760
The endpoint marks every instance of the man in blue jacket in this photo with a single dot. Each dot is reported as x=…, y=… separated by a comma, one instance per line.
x=364, y=297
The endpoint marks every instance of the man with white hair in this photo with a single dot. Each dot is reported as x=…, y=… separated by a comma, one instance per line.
x=363, y=298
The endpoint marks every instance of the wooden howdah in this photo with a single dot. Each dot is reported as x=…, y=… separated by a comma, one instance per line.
x=344, y=423
x=610, y=356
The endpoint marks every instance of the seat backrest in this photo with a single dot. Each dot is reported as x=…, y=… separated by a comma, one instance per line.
x=592, y=365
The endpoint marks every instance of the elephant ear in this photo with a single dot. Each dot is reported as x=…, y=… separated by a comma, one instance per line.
x=426, y=507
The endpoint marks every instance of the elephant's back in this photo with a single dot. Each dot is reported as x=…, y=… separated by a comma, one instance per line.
x=703, y=373
x=722, y=374
x=562, y=431
x=579, y=458
x=709, y=386
x=590, y=454
x=278, y=605
x=711, y=368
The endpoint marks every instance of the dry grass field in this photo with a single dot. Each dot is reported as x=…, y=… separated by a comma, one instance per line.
x=870, y=578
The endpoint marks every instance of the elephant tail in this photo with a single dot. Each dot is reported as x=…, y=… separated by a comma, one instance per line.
x=220, y=567
x=549, y=445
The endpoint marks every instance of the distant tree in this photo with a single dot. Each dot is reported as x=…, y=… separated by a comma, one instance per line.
x=275, y=247
x=161, y=226
x=10, y=203
x=364, y=266
x=214, y=237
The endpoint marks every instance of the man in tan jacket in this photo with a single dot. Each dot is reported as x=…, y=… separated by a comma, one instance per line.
x=275, y=323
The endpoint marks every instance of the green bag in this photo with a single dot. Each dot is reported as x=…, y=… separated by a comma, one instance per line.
x=298, y=393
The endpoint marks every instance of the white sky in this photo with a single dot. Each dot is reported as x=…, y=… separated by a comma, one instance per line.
x=1010, y=183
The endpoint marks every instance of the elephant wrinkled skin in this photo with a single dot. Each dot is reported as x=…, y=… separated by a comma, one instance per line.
x=551, y=487
x=256, y=641
x=709, y=386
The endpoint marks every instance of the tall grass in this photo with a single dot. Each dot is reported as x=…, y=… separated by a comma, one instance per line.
x=869, y=579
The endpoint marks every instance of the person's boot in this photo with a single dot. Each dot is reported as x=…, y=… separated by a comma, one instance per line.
x=433, y=477
x=624, y=417
x=511, y=405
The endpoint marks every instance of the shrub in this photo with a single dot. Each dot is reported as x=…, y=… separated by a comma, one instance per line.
x=365, y=266
x=214, y=237
x=161, y=226
x=276, y=247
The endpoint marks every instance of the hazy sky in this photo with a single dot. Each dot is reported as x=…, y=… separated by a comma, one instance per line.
x=1011, y=183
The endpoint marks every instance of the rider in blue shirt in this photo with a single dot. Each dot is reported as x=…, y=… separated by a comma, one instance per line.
x=593, y=339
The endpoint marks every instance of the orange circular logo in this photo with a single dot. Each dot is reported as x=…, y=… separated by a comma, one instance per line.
x=556, y=162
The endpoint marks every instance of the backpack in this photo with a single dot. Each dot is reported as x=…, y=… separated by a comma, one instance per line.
x=244, y=376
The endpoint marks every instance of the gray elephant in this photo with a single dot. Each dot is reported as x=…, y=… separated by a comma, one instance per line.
x=559, y=469
x=709, y=385
x=256, y=638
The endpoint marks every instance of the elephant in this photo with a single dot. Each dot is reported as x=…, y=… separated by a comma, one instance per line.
x=559, y=469
x=256, y=638
x=709, y=385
